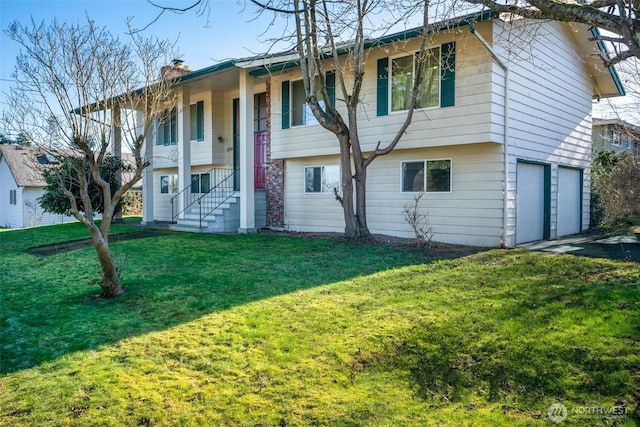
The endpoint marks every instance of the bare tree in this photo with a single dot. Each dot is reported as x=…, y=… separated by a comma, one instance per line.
x=78, y=91
x=619, y=17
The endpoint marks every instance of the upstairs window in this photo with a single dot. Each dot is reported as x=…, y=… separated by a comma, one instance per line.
x=395, y=77
x=295, y=110
x=301, y=113
x=13, y=197
x=403, y=70
x=197, y=121
x=428, y=176
x=260, y=112
x=167, y=133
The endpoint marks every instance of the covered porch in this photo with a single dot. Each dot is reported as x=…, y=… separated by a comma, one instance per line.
x=208, y=153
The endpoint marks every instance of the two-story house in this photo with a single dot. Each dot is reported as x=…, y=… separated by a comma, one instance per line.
x=501, y=147
x=616, y=135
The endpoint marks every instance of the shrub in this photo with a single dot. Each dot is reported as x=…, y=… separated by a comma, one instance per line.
x=615, y=186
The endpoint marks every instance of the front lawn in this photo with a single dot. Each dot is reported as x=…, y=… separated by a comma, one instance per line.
x=281, y=330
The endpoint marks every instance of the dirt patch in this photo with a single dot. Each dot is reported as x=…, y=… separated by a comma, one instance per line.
x=72, y=245
x=437, y=250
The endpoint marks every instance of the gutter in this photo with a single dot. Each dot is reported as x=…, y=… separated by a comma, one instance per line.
x=505, y=145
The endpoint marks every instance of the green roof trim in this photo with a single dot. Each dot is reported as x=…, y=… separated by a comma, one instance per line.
x=392, y=38
x=208, y=70
x=603, y=49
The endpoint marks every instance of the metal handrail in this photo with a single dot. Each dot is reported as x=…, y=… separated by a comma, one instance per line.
x=216, y=175
x=222, y=185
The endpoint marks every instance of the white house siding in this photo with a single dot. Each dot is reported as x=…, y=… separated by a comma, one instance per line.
x=33, y=215
x=202, y=151
x=162, y=202
x=471, y=214
x=473, y=119
x=550, y=111
x=10, y=215
x=207, y=154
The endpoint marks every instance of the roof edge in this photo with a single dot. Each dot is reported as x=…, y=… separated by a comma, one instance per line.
x=461, y=21
x=603, y=50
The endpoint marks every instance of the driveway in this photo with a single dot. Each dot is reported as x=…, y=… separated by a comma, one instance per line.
x=620, y=247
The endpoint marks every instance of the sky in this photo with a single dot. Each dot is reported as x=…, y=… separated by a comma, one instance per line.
x=228, y=30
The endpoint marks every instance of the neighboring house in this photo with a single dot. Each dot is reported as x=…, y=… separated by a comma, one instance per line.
x=501, y=148
x=21, y=185
x=616, y=135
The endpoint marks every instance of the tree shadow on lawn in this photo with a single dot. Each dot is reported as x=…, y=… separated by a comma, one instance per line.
x=50, y=306
x=562, y=338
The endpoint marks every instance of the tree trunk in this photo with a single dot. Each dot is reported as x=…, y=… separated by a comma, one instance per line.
x=351, y=229
x=110, y=275
x=361, y=202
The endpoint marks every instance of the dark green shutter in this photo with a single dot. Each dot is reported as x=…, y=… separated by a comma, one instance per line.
x=331, y=87
x=200, y=120
x=382, y=104
x=285, y=104
x=448, y=75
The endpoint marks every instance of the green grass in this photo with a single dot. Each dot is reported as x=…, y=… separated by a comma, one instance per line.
x=280, y=330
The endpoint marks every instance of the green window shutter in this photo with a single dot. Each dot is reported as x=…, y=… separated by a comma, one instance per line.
x=448, y=75
x=331, y=87
x=382, y=104
x=200, y=120
x=285, y=104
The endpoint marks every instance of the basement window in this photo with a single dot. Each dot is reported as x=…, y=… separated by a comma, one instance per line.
x=169, y=184
x=429, y=176
x=322, y=179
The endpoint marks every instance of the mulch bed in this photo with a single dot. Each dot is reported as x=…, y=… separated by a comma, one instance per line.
x=72, y=245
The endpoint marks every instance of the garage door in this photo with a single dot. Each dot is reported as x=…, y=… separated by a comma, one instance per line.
x=569, y=201
x=530, y=207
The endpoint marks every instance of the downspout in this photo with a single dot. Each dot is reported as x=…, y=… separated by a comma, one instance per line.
x=505, y=145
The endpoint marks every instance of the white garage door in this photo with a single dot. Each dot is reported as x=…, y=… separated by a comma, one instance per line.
x=530, y=203
x=569, y=201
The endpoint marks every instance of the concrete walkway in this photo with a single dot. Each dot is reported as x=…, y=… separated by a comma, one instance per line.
x=623, y=247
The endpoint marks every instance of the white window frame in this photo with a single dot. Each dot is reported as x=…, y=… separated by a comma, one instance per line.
x=200, y=178
x=329, y=190
x=13, y=197
x=308, y=118
x=172, y=184
x=413, y=72
x=171, y=113
x=194, y=138
x=424, y=179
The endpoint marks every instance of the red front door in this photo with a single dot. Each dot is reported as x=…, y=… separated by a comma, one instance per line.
x=260, y=159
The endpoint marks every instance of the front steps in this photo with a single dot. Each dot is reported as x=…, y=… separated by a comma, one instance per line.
x=225, y=219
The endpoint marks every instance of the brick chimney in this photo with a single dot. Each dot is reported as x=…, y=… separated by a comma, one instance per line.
x=176, y=69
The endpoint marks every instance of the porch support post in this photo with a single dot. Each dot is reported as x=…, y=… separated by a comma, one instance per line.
x=117, y=145
x=184, y=147
x=247, y=196
x=147, y=176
